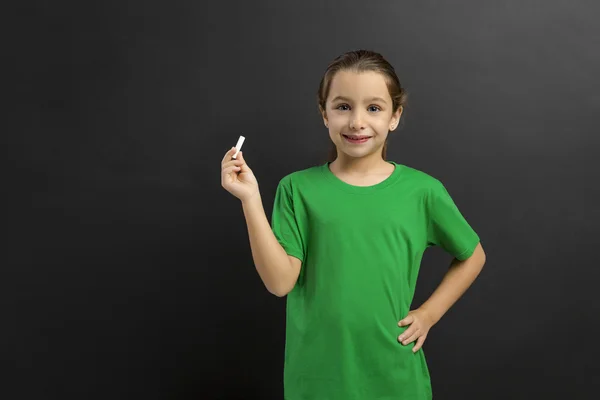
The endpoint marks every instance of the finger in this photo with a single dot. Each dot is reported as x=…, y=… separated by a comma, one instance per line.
x=407, y=333
x=244, y=165
x=232, y=163
x=406, y=321
x=412, y=338
x=228, y=155
x=420, y=342
x=229, y=170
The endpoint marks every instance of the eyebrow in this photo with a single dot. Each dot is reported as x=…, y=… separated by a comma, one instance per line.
x=371, y=99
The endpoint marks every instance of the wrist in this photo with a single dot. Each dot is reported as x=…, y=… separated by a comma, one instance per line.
x=252, y=200
x=431, y=314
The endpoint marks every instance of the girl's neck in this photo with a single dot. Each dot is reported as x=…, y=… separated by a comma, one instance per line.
x=359, y=166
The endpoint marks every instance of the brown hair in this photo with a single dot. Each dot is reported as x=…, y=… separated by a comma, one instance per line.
x=362, y=61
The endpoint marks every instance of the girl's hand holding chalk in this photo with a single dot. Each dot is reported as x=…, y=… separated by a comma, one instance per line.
x=236, y=176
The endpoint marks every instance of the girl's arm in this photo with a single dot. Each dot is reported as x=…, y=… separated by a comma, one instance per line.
x=457, y=280
x=278, y=271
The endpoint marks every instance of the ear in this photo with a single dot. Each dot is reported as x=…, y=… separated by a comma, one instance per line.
x=324, y=116
x=396, y=118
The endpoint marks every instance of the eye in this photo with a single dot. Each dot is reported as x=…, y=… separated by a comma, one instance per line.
x=371, y=107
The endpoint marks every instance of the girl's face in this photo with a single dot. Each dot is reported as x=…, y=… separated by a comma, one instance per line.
x=359, y=105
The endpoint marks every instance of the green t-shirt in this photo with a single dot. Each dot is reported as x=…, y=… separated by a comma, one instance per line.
x=361, y=249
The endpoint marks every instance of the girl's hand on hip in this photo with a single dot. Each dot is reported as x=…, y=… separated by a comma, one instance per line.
x=420, y=322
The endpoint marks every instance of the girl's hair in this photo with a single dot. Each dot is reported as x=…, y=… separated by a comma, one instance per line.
x=362, y=61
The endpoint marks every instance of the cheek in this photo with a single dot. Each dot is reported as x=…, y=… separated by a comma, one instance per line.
x=337, y=122
x=334, y=135
x=382, y=127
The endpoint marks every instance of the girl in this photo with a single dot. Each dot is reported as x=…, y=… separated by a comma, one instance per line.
x=345, y=246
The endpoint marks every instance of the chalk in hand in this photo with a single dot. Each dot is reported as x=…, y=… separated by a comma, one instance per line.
x=238, y=146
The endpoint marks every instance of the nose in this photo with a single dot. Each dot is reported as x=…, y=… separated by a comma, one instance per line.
x=357, y=121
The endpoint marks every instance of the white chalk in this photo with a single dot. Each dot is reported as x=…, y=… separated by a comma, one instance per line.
x=238, y=146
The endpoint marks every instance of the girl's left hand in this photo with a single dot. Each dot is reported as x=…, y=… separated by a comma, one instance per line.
x=420, y=322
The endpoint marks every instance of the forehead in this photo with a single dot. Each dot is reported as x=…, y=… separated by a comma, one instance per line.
x=359, y=85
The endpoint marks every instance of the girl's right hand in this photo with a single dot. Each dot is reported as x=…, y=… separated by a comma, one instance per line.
x=237, y=177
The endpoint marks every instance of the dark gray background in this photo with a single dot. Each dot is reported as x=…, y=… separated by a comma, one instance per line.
x=127, y=270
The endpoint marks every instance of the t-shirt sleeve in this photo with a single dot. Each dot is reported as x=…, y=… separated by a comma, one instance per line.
x=284, y=221
x=447, y=226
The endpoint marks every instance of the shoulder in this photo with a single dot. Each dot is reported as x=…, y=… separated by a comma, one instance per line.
x=420, y=178
x=302, y=176
x=425, y=186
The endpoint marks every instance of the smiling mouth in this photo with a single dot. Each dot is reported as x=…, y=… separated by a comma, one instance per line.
x=357, y=139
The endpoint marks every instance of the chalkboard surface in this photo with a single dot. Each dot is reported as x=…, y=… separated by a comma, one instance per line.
x=127, y=269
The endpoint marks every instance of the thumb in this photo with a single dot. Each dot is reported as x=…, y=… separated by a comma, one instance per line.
x=406, y=321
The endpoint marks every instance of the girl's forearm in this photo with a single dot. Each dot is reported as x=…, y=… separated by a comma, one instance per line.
x=457, y=280
x=270, y=259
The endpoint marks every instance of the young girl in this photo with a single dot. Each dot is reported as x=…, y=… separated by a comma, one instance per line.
x=346, y=243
